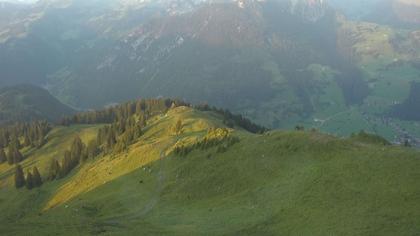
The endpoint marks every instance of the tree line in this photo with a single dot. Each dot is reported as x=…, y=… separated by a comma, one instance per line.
x=26, y=134
x=147, y=107
x=151, y=107
x=78, y=153
x=15, y=137
x=230, y=119
x=123, y=125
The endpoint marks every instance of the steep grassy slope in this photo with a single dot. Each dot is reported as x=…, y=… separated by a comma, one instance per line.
x=27, y=102
x=278, y=183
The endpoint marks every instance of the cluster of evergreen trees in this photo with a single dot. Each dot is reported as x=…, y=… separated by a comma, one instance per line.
x=231, y=120
x=26, y=134
x=219, y=137
x=15, y=137
x=33, y=179
x=125, y=121
x=13, y=156
x=151, y=107
x=125, y=124
x=119, y=135
x=148, y=107
x=77, y=154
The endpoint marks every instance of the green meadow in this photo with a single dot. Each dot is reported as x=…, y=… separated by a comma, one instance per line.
x=277, y=183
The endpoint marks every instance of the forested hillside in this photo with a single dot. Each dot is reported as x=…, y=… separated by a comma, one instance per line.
x=164, y=167
x=28, y=102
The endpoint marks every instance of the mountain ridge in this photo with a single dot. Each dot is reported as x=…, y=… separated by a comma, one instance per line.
x=28, y=102
x=140, y=190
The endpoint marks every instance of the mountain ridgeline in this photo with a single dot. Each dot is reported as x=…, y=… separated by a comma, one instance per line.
x=125, y=124
x=28, y=102
x=125, y=169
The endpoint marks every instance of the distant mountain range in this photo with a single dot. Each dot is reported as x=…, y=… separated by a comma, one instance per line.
x=194, y=149
x=279, y=62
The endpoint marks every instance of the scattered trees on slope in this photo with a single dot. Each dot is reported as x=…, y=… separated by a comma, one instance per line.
x=77, y=154
x=14, y=156
x=55, y=170
x=231, y=120
x=123, y=125
x=29, y=181
x=33, y=179
x=37, y=180
x=145, y=107
x=19, y=177
x=92, y=149
x=177, y=129
x=33, y=135
x=3, y=157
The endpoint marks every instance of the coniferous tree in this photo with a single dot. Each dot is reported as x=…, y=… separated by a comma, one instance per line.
x=111, y=139
x=178, y=127
x=19, y=177
x=139, y=108
x=3, y=157
x=142, y=121
x=76, y=150
x=92, y=149
x=100, y=136
x=10, y=155
x=36, y=177
x=84, y=156
x=67, y=164
x=138, y=132
x=29, y=181
x=26, y=140
x=41, y=141
x=55, y=170
x=129, y=109
x=15, y=142
x=128, y=137
x=6, y=138
x=17, y=156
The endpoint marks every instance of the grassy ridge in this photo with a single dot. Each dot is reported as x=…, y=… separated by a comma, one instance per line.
x=279, y=183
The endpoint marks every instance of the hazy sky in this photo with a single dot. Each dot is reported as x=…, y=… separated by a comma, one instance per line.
x=22, y=1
